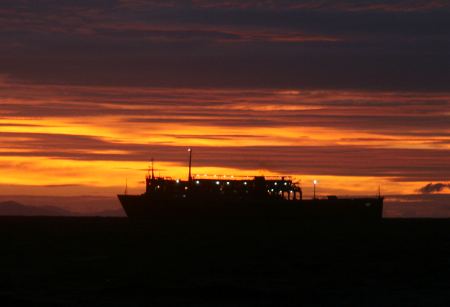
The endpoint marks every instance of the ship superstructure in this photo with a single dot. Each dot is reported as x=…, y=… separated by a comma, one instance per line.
x=203, y=195
x=224, y=187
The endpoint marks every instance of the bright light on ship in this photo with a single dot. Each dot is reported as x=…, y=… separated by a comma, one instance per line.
x=217, y=182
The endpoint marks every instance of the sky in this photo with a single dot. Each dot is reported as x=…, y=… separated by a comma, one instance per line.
x=355, y=94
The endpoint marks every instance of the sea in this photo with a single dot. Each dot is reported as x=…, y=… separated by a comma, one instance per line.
x=95, y=261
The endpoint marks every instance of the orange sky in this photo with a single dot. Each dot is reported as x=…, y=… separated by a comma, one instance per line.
x=77, y=140
x=353, y=94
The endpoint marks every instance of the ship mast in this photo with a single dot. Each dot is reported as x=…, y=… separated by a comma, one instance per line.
x=153, y=173
x=190, y=164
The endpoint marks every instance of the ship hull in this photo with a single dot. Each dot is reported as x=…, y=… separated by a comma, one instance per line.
x=144, y=207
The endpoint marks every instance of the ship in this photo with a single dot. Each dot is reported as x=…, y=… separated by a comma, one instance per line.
x=203, y=196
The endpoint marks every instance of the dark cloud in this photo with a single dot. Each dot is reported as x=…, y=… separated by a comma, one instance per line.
x=350, y=5
x=264, y=44
x=434, y=187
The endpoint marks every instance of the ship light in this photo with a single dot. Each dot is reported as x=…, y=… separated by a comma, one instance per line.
x=197, y=182
x=185, y=188
x=178, y=180
x=217, y=182
x=228, y=182
x=271, y=190
x=315, y=183
x=245, y=182
x=275, y=183
x=285, y=183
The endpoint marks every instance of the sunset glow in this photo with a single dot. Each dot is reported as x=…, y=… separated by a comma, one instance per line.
x=310, y=133
x=271, y=93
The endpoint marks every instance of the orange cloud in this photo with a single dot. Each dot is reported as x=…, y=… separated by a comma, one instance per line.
x=95, y=137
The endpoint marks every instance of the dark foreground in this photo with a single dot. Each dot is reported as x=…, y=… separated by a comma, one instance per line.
x=113, y=262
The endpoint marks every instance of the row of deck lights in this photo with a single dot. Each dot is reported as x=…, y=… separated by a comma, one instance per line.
x=276, y=184
x=315, y=182
x=223, y=176
x=217, y=182
x=245, y=182
x=271, y=190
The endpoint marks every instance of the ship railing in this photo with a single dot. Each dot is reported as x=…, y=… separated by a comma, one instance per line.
x=239, y=177
x=160, y=177
x=225, y=177
x=286, y=178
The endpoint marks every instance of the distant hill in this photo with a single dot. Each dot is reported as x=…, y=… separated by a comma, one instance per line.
x=110, y=213
x=84, y=205
x=13, y=208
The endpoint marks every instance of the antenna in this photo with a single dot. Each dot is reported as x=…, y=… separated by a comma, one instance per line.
x=190, y=164
x=153, y=173
x=379, y=191
x=315, y=183
x=126, y=186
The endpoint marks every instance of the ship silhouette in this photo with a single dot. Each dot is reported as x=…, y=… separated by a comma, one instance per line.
x=246, y=197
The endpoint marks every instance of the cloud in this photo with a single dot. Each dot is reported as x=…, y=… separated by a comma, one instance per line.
x=333, y=160
x=348, y=5
x=400, y=45
x=311, y=83
x=382, y=116
x=434, y=188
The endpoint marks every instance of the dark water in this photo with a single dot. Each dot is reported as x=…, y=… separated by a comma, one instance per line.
x=113, y=262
